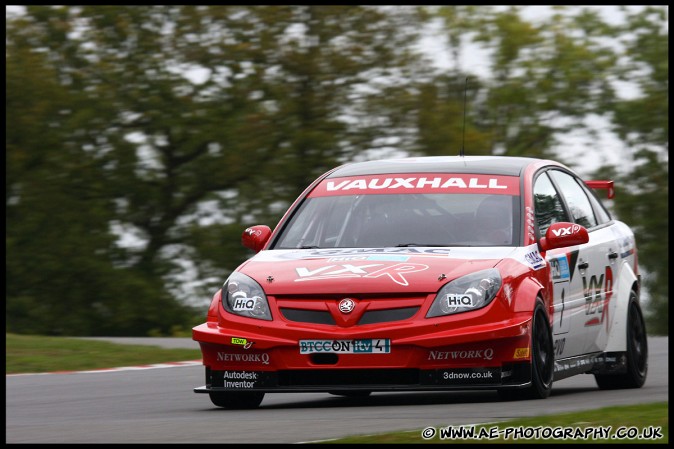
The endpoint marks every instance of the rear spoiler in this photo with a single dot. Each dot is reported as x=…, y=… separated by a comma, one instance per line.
x=608, y=185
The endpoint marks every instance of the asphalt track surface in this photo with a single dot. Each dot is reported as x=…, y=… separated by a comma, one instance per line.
x=159, y=406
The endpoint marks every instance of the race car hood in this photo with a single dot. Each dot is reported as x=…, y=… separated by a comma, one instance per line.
x=366, y=270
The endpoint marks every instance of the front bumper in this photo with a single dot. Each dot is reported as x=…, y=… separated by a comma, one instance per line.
x=515, y=375
x=439, y=357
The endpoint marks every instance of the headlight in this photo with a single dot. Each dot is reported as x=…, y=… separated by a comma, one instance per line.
x=243, y=296
x=470, y=292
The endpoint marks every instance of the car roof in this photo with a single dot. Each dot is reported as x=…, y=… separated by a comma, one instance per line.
x=491, y=165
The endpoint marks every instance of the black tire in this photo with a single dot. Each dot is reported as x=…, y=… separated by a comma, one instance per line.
x=636, y=354
x=236, y=400
x=351, y=394
x=542, y=361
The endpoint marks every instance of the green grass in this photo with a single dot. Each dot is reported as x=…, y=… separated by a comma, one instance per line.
x=37, y=354
x=643, y=416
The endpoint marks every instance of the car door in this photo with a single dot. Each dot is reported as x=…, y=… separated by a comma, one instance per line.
x=568, y=299
x=609, y=232
x=594, y=265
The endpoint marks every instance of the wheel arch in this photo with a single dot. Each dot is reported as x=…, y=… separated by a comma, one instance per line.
x=627, y=283
x=529, y=292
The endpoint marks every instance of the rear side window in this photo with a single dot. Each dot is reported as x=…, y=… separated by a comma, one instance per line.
x=602, y=214
x=578, y=202
x=548, y=205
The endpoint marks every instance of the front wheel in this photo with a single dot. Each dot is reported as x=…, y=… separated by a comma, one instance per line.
x=542, y=360
x=236, y=399
x=637, y=353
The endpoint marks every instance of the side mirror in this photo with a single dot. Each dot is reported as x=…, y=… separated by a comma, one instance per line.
x=563, y=234
x=255, y=237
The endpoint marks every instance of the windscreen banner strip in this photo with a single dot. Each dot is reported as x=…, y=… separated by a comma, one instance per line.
x=418, y=183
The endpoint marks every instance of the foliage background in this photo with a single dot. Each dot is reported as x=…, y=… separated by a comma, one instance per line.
x=141, y=140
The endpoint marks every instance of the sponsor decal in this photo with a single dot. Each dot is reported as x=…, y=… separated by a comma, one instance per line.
x=384, y=257
x=521, y=353
x=261, y=358
x=251, y=232
x=353, y=254
x=370, y=252
x=395, y=272
x=473, y=354
x=242, y=342
x=560, y=269
x=596, y=300
x=239, y=379
x=243, y=302
x=454, y=300
x=418, y=183
x=347, y=305
x=534, y=259
x=569, y=230
x=470, y=376
x=363, y=346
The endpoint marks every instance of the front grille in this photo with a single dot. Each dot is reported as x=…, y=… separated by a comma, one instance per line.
x=308, y=316
x=369, y=317
x=388, y=315
x=298, y=378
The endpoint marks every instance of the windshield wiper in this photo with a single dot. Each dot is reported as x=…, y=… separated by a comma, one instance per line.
x=308, y=247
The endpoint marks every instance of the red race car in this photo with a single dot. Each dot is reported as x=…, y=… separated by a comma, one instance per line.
x=431, y=273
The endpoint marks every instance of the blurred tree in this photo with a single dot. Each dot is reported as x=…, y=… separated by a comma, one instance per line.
x=60, y=259
x=323, y=67
x=545, y=78
x=176, y=125
x=642, y=122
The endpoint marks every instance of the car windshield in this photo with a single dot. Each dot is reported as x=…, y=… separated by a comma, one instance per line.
x=402, y=220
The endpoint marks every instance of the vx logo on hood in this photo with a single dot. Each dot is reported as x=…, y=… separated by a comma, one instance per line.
x=395, y=272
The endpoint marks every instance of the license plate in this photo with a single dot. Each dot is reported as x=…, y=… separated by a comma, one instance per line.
x=363, y=346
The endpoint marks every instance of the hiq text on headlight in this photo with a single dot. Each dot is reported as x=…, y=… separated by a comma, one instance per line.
x=241, y=295
x=466, y=293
